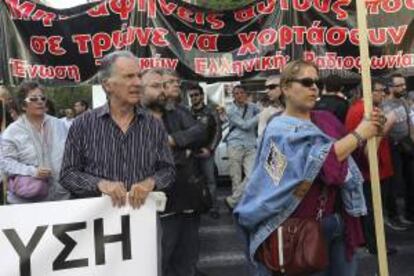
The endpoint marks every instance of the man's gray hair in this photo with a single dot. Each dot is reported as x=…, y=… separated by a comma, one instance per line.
x=171, y=72
x=157, y=71
x=108, y=61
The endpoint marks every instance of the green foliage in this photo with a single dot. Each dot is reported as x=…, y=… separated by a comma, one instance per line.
x=65, y=97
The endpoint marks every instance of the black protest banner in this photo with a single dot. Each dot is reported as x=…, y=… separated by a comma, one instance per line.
x=65, y=46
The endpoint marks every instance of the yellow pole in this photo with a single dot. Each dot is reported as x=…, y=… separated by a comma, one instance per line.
x=372, y=145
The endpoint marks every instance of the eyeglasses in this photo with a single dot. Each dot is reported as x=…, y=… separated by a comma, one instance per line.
x=194, y=95
x=33, y=99
x=309, y=82
x=177, y=81
x=271, y=86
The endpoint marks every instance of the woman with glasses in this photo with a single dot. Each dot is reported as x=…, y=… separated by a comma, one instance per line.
x=304, y=170
x=32, y=150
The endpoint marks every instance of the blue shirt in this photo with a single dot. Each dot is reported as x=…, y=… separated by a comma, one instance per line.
x=244, y=129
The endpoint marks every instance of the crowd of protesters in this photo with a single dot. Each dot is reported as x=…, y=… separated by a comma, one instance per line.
x=302, y=156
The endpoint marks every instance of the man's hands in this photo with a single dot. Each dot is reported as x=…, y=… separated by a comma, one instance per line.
x=372, y=126
x=118, y=193
x=116, y=190
x=139, y=192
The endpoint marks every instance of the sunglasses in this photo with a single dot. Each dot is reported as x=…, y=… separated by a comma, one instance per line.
x=309, y=82
x=33, y=99
x=194, y=95
x=271, y=86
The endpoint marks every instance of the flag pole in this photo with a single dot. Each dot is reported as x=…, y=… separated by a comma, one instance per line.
x=372, y=143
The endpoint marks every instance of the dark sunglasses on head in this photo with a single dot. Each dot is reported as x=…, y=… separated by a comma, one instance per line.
x=309, y=82
x=35, y=99
x=271, y=86
x=194, y=95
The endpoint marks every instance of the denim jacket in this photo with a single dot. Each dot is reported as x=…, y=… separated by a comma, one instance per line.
x=292, y=152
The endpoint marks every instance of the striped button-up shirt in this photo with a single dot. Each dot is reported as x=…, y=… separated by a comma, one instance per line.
x=97, y=149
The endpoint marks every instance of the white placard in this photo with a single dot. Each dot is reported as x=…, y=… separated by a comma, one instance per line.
x=74, y=238
x=98, y=96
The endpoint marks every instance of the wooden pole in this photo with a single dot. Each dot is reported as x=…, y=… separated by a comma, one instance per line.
x=372, y=144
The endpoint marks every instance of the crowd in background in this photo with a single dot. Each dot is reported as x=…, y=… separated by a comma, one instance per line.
x=68, y=157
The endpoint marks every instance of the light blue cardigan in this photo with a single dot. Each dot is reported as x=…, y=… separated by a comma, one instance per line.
x=22, y=152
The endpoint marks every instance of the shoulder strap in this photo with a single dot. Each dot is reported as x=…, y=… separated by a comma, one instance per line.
x=3, y=127
x=3, y=115
x=233, y=127
x=244, y=111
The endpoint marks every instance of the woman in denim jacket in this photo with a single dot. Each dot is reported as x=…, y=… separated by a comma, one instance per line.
x=303, y=160
x=33, y=145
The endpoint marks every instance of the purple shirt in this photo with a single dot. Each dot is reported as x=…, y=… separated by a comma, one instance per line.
x=332, y=175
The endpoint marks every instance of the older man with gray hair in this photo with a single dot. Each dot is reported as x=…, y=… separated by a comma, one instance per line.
x=118, y=149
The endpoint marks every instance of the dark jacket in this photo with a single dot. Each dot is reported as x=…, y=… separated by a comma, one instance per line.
x=189, y=135
x=334, y=104
x=211, y=120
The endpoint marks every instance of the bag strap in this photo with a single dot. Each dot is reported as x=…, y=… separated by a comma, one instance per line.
x=3, y=127
x=4, y=195
x=233, y=127
x=3, y=114
x=38, y=143
x=323, y=199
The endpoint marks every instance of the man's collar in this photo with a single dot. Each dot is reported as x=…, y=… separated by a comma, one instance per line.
x=105, y=110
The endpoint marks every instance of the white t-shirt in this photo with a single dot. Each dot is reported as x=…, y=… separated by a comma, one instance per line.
x=264, y=117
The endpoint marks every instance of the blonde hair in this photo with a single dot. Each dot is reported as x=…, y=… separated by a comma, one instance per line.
x=292, y=69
